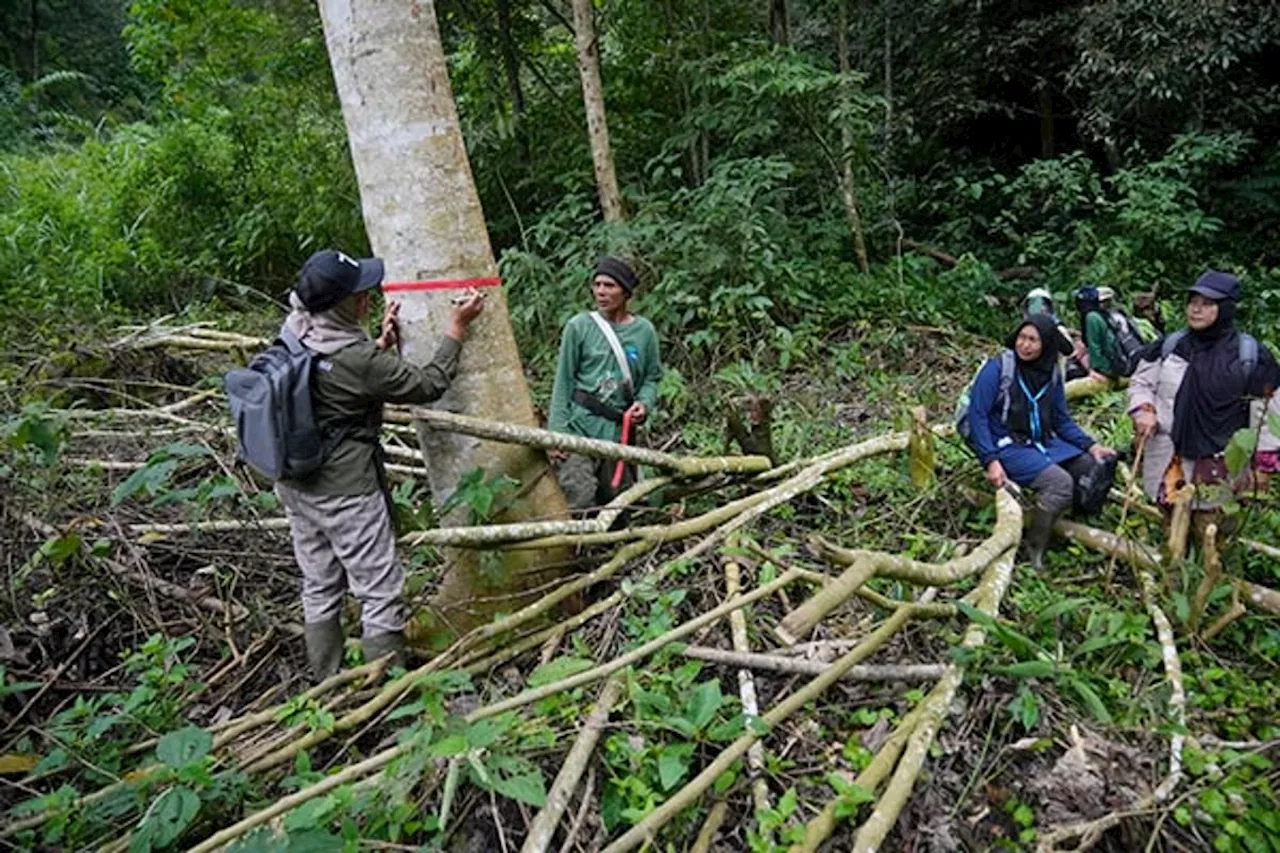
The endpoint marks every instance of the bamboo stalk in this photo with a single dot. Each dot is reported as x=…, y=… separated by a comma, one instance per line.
x=715, y=820
x=533, y=694
x=575, y=764
x=286, y=804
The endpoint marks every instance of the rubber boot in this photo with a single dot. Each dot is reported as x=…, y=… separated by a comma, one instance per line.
x=324, y=647
x=1036, y=538
x=377, y=645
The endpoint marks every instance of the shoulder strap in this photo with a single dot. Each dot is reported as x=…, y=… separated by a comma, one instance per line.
x=1008, y=370
x=1248, y=354
x=614, y=344
x=1171, y=343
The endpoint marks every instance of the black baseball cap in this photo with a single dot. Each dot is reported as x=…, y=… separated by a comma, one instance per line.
x=329, y=276
x=1217, y=286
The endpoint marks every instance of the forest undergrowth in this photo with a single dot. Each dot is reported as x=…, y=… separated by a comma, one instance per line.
x=154, y=690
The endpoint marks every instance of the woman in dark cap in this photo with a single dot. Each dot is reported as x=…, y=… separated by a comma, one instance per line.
x=1193, y=395
x=1021, y=428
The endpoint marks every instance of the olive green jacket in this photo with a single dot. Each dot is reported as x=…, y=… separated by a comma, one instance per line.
x=348, y=390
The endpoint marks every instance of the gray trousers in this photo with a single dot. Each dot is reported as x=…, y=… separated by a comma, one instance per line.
x=588, y=483
x=346, y=542
x=1055, y=485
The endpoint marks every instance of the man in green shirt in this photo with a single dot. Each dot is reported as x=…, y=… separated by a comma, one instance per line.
x=593, y=391
x=339, y=515
x=1099, y=337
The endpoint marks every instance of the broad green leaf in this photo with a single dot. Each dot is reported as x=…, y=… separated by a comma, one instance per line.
x=184, y=746
x=673, y=763
x=528, y=788
x=704, y=702
x=310, y=814
x=1240, y=450
x=485, y=732
x=449, y=745
x=170, y=816
x=148, y=478
x=558, y=669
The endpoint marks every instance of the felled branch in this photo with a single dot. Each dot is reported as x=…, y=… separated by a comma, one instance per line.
x=864, y=565
x=575, y=764
x=594, y=448
x=796, y=666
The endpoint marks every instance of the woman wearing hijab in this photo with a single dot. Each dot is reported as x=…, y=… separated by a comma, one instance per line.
x=1025, y=433
x=1192, y=396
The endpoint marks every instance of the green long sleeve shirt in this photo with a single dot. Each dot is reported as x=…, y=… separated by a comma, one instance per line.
x=349, y=388
x=587, y=363
x=1101, y=340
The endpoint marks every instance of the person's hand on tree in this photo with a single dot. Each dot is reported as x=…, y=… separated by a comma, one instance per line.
x=638, y=412
x=463, y=313
x=995, y=473
x=1100, y=452
x=1144, y=421
x=390, y=334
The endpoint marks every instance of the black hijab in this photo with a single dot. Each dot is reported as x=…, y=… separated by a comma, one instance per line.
x=1035, y=374
x=1211, y=403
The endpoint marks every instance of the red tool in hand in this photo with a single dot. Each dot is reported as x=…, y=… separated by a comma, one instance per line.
x=626, y=439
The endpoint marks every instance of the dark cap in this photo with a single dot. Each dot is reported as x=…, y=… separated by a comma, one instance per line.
x=329, y=276
x=1217, y=286
x=619, y=271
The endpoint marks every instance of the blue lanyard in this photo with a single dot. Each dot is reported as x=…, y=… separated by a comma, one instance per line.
x=1033, y=412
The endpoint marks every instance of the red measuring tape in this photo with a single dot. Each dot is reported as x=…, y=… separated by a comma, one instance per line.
x=440, y=284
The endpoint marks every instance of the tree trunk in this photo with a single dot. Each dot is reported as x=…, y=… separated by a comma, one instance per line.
x=779, y=25
x=1044, y=99
x=424, y=218
x=584, y=35
x=848, y=190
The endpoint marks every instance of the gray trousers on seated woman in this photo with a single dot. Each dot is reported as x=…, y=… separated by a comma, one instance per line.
x=1055, y=488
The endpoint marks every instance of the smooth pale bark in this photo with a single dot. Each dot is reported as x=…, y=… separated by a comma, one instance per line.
x=584, y=37
x=848, y=189
x=424, y=218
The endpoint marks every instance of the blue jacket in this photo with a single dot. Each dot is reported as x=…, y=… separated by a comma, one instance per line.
x=1022, y=461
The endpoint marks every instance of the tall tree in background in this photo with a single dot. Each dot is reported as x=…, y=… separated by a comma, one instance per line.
x=588, y=47
x=848, y=190
x=424, y=218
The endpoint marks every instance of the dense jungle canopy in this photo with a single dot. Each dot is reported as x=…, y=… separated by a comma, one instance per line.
x=835, y=208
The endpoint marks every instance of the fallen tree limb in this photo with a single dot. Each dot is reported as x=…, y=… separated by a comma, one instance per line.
x=594, y=448
x=647, y=828
x=575, y=764
x=796, y=666
x=819, y=829
x=746, y=686
x=933, y=709
x=865, y=565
